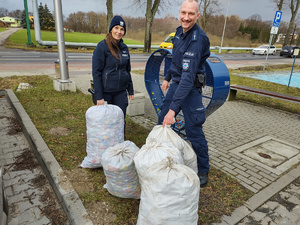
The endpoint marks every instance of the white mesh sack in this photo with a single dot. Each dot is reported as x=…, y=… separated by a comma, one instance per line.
x=118, y=166
x=168, y=134
x=105, y=128
x=154, y=151
x=170, y=195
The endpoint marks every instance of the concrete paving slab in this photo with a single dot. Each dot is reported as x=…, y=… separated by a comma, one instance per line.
x=270, y=153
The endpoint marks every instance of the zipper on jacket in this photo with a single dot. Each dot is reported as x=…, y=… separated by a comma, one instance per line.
x=118, y=70
x=119, y=79
x=105, y=80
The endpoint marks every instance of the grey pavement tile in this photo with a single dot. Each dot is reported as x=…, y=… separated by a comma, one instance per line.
x=257, y=186
x=257, y=216
x=223, y=134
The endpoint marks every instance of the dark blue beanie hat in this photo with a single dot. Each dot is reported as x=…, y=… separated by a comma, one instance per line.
x=117, y=20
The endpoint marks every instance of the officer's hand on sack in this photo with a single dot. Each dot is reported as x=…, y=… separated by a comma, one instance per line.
x=100, y=102
x=165, y=85
x=169, y=118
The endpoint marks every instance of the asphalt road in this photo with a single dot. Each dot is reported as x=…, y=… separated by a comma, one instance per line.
x=20, y=62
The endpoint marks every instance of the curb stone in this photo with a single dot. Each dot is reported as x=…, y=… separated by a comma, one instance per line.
x=63, y=189
x=260, y=198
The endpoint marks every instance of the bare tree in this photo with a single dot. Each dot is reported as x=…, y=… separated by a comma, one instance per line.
x=90, y=22
x=95, y=22
x=152, y=7
x=150, y=13
x=3, y=12
x=279, y=4
x=294, y=6
x=207, y=8
x=16, y=13
x=109, y=7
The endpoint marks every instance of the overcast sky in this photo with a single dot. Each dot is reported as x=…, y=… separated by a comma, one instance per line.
x=242, y=8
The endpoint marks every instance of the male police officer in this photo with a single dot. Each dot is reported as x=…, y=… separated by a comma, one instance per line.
x=190, y=50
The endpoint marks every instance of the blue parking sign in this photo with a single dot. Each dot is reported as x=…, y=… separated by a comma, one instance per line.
x=277, y=19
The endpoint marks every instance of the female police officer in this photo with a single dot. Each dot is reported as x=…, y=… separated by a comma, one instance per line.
x=190, y=50
x=111, y=68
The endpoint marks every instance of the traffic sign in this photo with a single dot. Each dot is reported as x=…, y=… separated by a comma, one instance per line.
x=277, y=19
x=274, y=30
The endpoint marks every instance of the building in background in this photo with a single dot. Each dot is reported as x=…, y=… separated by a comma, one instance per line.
x=10, y=21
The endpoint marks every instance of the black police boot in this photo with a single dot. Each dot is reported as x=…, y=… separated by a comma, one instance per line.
x=203, y=179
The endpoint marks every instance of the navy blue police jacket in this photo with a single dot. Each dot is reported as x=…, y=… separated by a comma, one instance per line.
x=111, y=74
x=190, y=50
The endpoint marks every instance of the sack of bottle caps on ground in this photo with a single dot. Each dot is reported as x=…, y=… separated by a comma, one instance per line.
x=169, y=189
x=154, y=151
x=118, y=166
x=105, y=128
x=170, y=194
x=168, y=134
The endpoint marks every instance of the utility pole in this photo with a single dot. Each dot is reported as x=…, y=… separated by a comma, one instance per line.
x=220, y=49
x=274, y=30
x=64, y=83
x=27, y=24
x=60, y=41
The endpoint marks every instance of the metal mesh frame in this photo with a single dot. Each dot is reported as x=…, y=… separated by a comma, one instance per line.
x=214, y=93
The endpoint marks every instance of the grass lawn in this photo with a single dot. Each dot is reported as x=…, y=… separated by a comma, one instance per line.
x=269, y=86
x=48, y=109
x=19, y=39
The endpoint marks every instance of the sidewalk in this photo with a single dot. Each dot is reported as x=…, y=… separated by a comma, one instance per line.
x=258, y=146
x=236, y=132
x=7, y=33
x=37, y=190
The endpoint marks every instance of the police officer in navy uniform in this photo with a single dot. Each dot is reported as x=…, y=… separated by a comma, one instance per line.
x=191, y=47
x=111, y=68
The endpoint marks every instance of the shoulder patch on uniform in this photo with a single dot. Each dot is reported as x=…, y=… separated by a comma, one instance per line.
x=194, y=38
x=186, y=64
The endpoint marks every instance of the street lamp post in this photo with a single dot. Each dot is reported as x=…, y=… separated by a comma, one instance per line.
x=220, y=49
x=27, y=24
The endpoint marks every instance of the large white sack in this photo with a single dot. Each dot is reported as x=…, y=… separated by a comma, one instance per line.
x=105, y=128
x=121, y=177
x=170, y=195
x=154, y=151
x=168, y=134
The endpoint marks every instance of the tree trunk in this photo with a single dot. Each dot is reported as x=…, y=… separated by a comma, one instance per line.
x=150, y=13
x=294, y=9
x=279, y=5
x=208, y=8
x=204, y=14
x=109, y=7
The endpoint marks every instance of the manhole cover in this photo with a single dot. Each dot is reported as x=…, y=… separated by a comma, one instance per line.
x=275, y=155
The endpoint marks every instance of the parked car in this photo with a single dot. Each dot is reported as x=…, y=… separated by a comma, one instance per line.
x=262, y=50
x=288, y=51
x=167, y=43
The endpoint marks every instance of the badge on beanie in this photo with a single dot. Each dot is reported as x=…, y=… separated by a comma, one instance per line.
x=122, y=23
